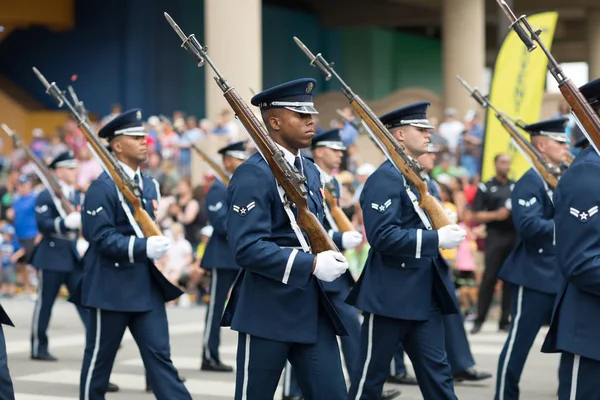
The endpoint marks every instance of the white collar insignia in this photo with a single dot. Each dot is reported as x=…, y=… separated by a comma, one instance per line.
x=95, y=212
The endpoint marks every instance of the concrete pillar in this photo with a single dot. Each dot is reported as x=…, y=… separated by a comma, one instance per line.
x=234, y=38
x=593, y=44
x=463, y=47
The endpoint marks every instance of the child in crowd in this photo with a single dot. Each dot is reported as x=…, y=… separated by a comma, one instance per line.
x=10, y=251
x=465, y=267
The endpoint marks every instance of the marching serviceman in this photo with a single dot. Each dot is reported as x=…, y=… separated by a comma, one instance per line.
x=277, y=304
x=531, y=268
x=219, y=259
x=574, y=329
x=327, y=150
x=121, y=285
x=404, y=288
x=460, y=358
x=56, y=256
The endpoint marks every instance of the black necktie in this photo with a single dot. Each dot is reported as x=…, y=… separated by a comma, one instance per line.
x=298, y=165
x=136, y=179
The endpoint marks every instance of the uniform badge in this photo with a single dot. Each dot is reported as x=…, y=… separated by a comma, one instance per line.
x=585, y=215
x=216, y=207
x=95, y=212
x=527, y=203
x=381, y=207
x=244, y=210
x=309, y=87
x=41, y=209
x=138, y=115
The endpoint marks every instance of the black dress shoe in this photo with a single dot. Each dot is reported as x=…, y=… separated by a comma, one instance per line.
x=476, y=327
x=471, y=374
x=112, y=387
x=390, y=394
x=44, y=357
x=504, y=328
x=216, y=366
x=292, y=398
x=402, y=379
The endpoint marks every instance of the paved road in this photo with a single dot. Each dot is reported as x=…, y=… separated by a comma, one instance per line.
x=59, y=381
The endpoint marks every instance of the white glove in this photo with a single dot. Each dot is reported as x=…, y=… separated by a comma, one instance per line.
x=157, y=246
x=82, y=246
x=73, y=220
x=450, y=236
x=330, y=265
x=351, y=239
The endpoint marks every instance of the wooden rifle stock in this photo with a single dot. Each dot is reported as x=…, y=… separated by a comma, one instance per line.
x=429, y=204
x=589, y=120
x=392, y=148
x=122, y=181
x=49, y=180
x=338, y=215
x=548, y=172
x=582, y=110
x=288, y=177
x=531, y=153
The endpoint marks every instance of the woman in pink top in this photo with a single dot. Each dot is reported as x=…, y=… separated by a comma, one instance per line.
x=465, y=267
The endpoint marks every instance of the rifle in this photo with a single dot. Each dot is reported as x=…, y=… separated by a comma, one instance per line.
x=222, y=175
x=44, y=173
x=130, y=190
x=352, y=122
x=287, y=176
x=547, y=171
x=338, y=215
x=396, y=154
x=586, y=118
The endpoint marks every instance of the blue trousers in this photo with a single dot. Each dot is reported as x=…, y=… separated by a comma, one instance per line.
x=6, y=386
x=350, y=343
x=578, y=378
x=528, y=309
x=221, y=281
x=318, y=366
x=456, y=344
x=151, y=333
x=48, y=288
x=424, y=344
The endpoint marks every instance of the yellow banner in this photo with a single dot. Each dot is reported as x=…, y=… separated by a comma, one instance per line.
x=517, y=89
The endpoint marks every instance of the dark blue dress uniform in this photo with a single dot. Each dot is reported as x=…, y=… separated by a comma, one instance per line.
x=457, y=346
x=6, y=386
x=531, y=268
x=277, y=305
x=219, y=259
x=56, y=257
x=574, y=329
x=404, y=287
x=339, y=289
x=121, y=285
